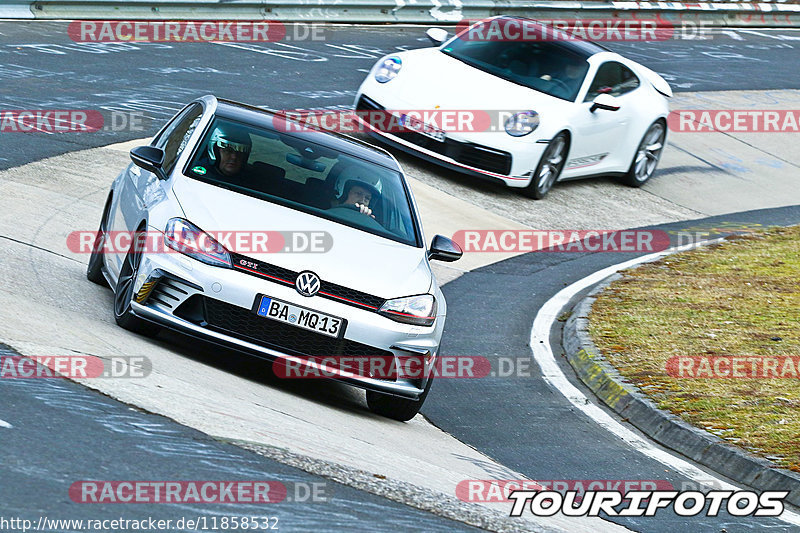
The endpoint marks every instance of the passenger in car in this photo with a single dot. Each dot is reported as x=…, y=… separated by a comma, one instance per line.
x=359, y=194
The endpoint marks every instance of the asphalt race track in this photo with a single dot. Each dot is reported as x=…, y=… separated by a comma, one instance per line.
x=86, y=432
x=61, y=432
x=539, y=433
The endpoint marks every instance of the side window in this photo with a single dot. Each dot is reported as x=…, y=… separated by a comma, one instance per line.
x=612, y=78
x=174, y=139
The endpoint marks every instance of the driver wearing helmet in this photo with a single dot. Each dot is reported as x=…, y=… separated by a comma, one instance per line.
x=358, y=193
x=228, y=150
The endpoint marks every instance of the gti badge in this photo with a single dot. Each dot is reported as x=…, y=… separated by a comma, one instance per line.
x=307, y=283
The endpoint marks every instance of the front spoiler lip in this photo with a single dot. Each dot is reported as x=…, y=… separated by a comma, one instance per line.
x=435, y=157
x=400, y=389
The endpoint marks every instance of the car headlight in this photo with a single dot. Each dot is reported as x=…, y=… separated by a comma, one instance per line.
x=418, y=310
x=520, y=124
x=388, y=69
x=186, y=238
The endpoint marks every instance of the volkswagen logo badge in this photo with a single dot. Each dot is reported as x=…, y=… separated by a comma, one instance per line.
x=307, y=283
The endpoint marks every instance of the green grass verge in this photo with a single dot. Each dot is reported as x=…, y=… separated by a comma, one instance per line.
x=737, y=299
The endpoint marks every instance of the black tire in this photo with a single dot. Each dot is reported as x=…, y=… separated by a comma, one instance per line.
x=647, y=155
x=401, y=409
x=123, y=292
x=549, y=168
x=94, y=271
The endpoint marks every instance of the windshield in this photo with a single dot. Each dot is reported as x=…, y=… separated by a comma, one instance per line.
x=540, y=65
x=296, y=173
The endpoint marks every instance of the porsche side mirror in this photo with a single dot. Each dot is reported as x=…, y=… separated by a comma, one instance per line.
x=443, y=249
x=605, y=102
x=149, y=158
x=437, y=35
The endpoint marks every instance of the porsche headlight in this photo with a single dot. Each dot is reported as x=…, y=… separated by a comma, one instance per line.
x=520, y=124
x=388, y=69
x=418, y=310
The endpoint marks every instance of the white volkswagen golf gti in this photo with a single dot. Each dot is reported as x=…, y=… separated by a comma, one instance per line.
x=365, y=294
x=561, y=108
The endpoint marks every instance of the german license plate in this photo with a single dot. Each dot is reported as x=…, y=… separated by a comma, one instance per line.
x=300, y=316
x=422, y=128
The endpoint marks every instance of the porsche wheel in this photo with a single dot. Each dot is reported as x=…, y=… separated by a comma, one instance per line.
x=647, y=155
x=549, y=168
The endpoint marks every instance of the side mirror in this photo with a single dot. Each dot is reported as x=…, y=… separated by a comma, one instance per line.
x=605, y=102
x=437, y=35
x=149, y=158
x=443, y=249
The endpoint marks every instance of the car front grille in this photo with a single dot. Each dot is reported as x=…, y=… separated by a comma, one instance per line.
x=474, y=155
x=244, y=324
x=328, y=290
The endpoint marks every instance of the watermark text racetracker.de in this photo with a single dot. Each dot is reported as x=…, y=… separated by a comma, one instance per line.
x=70, y=121
x=190, y=241
x=734, y=120
x=733, y=367
x=194, y=31
x=199, y=491
x=590, y=29
x=579, y=241
x=425, y=121
x=389, y=367
x=74, y=366
x=498, y=490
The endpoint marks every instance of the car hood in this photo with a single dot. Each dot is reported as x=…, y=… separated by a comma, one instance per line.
x=431, y=78
x=356, y=259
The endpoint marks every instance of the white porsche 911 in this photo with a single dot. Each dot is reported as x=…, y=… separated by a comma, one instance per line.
x=572, y=108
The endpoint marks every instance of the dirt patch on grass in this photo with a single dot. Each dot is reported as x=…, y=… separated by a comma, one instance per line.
x=739, y=300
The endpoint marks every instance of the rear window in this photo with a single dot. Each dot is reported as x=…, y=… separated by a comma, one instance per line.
x=294, y=172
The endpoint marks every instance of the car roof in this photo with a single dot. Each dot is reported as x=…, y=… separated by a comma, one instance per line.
x=584, y=49
x=336, y=141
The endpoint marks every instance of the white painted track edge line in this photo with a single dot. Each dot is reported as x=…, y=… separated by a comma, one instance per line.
x=552, y=374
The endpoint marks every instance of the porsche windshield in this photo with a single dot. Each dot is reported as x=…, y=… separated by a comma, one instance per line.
x=544, y=66
x=296, y=173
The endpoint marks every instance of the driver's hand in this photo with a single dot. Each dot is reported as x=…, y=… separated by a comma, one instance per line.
x=364, y=209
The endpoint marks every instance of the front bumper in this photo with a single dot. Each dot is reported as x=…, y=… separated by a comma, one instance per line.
x=169, y=285
x=475, y=153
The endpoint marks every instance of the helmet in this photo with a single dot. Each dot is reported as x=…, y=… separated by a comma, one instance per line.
x=349, y=174
x=230, y=138
x=349, y=184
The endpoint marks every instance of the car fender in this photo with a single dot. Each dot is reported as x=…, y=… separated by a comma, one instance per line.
x=553, y=129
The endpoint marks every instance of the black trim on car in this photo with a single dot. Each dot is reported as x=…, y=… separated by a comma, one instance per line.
x=467, y=153
x=287, y=277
